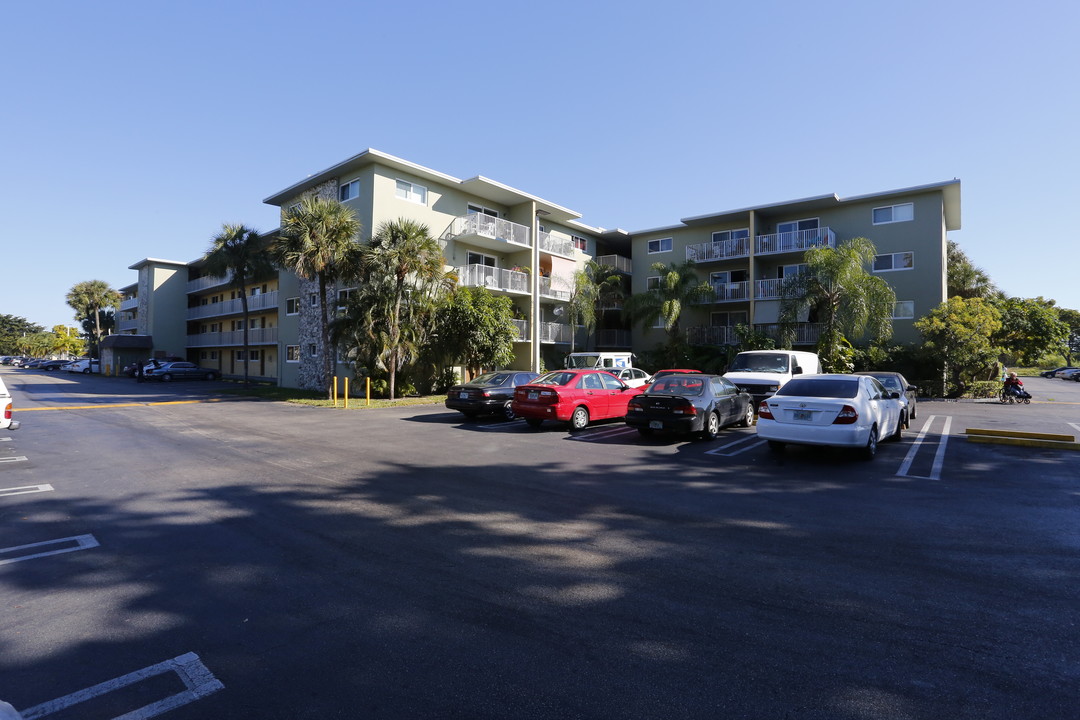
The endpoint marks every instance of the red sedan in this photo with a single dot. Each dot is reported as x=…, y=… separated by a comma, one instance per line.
x=573, y=396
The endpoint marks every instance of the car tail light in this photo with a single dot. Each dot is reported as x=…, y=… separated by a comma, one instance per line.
x=485, y=393
x=846, y=416
x=764, y=412
x=7, y=412
x=684, y=408
x=634, y=406
x=549, y=396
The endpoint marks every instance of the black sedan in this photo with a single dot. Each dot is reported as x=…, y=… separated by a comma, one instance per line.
x=700, y=404
x=488, y=394
x=53, y=364
x=895, y=382
x=178, y=371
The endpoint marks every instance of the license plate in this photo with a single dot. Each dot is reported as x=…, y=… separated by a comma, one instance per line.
x=463, y=395
x=801, y=415
x=534, y=395
x=656, y=425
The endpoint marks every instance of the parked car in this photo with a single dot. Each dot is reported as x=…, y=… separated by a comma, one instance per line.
x=1070, y=374
x=488, y=394
x=673, y=371
x=53, y=364
x=762, y=372
x=31, y=363
x=634, y=377
x=573, y=396
x=896, y=382
x=1064, y=372
x=182, y=370
x=837, y=410
x=84, y=366
x=6, y=422
x=686, y=403
x=1052, y=373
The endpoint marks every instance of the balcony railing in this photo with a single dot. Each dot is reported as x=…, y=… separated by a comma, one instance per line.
x=721, y=250
x=523, y=330
x=794, y=241
x=129, y=303
x=547, y=291
x=493, y=278
x=615, y=337
x=550, y=332
x=256, y=336
x=769, y=289
x=125, y=325
x=615, y=262
x=262, y=301
x=729, y=292
x=711, y=335
x=492, y=228
x=805, y=333
x=207, y=281
x=553, y=244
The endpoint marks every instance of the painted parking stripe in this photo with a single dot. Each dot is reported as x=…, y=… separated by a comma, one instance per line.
x=14, y=458
x=750, y=441
x=25, y=490
x=939, y=456
x=82, y=542
x=196, y=677
x=604, y=433
x=5, y=439
x=1074, y=426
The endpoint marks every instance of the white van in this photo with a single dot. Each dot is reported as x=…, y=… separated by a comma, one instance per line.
x=600, y=360
x=6, y=423
x=762, y=372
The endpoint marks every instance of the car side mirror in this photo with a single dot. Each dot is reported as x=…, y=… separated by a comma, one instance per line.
x=797, y=370
x=894, y=396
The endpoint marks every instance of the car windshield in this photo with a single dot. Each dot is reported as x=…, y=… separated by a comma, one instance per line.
x=582, y=361
x=489, y=379
x=760, y=362
x=889, y=381
x=678, y=385
x=557, y=377
x=820, y=387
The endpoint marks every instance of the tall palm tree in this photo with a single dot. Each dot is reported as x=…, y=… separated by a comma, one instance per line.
x=88, y=299
x=404, y=276
x=846, y=298
x=965, y=279
x=318, y=241
x=593, y=285
x=241, y=252
x=678, y=286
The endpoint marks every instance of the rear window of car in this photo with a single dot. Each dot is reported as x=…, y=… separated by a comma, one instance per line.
x=490, y=379
x=554, y=378
x=678, y=385
x=820, y=387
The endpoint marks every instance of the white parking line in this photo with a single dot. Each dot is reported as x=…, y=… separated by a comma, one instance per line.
x=82, y=542
x=939, y=456
x=744, y=439
x=1074, y=426
x=5, y=439
x=605, y=433
x=196, y=677
x=25, y=490
x=14, y=458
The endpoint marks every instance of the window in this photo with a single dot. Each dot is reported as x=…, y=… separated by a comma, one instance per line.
x=475, y=258
x=312, y=350
x=797, y=225
x=343, y=297
x=313, y=299
x=894, y=261
x=411, y=192
x=731, y=235
x=202, y=355
x=256, y=291
x=728, y=319
x=253, y=354
x=580, y=243
x=660, y=322
x=349, y=190
x=894, y=213
x=239, y=355
x=786, y=271
x=481, y=210
x=213, y=354
x=292, y=306
x=659, y=246
x=292, y=353
x=904, y=310
x=652, y=283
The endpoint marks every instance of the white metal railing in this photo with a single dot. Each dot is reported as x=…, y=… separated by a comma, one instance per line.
x=616, y=262
x=256, y=336
x=794, y=241
x=554, y=244
x=711, y=335
x=129, y=303
x=769, y=289
x=805, y=333
x=493, y=278
x=523, y=330
x=547, y=291
x=555, y=332
x=262, y=301
x=728, y=292
x=490, y=227
x=719, y=250
x=207, y=281
x=614, y=337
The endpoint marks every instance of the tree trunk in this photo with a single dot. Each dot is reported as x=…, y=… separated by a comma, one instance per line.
x=324, y=330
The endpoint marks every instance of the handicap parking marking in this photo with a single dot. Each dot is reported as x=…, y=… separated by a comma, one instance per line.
x=25, y=490
x=14, y=458
x=751, y=441
x=196, y=677
x=82, y=542
x=939, y=456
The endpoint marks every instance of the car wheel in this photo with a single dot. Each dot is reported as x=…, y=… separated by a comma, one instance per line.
x=86, y=371
x=508, y=410
x=166, y=377
x=580, y=419
x=748, y=416
x=901, y=423
x=776, y=447
x=711, y=427
x=870, y=450
x=645, y=432
x=534, y=422
x=211, y=376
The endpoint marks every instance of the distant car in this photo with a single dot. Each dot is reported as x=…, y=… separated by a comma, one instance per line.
x=1051, y=373
x=31, y=363
x=690, y=403
x=634, y=377
x=6, y=422
x=1065, y=372
x=896, y=382
x=574, y=396
x=183, y=370
x=836, y=410
x=673, y=371
x=53, y=364
x=84, y=366
x=1070, y=374
x=488, y=394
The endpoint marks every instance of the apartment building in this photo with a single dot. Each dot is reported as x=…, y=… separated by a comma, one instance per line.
x=527, y=248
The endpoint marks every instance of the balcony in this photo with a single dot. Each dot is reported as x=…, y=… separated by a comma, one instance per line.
x=489, y=232
x=494, y=279
x=129, y=304
x=711, y=335
x=522, y=330
x=256, y=336
x=126, y=325
x=550, y=332
x=547, y=292
x=556, y=245
x=618, y=263
x=256, y=303
x=795, y=241
x=728, y=292
x=805, y=333
x=722, y=250
x=208, y=281
x=616, y=337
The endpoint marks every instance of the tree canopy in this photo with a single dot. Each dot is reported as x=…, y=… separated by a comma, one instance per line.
x=958, y=335
x=12, y=328
x=89, y=299
x=476, y=328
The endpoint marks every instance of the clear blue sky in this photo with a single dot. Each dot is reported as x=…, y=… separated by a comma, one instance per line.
x=135, y=129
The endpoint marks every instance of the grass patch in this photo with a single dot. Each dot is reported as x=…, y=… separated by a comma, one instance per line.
x=312, y=398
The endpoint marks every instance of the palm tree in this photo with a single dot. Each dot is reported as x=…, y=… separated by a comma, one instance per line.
x=846, y=298
x=593, y=285
x=88, y=299
x=404, y=277
x=678, y=286
x=241, y=252
x=965, y=279
x=318, y=241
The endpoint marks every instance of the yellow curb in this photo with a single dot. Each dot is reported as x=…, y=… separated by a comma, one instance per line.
x=1020, y=434
x=1055, y=444
x=118, y=405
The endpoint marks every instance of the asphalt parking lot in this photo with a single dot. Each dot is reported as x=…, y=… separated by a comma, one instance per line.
x=164, y=547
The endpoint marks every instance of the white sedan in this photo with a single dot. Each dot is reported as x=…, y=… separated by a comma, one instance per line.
x=634, y=377
x=838, y=410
